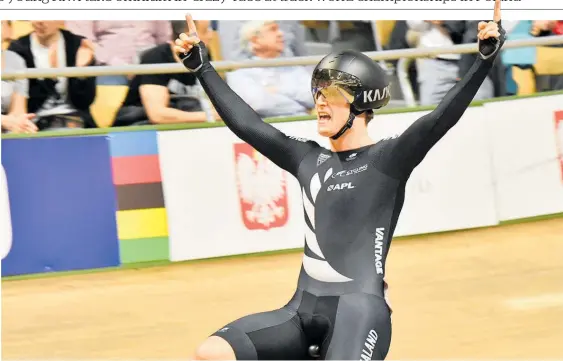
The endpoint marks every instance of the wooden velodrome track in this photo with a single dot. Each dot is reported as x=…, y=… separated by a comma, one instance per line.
x=487, y=293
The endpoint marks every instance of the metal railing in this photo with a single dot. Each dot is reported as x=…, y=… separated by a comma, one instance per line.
x=400, y=54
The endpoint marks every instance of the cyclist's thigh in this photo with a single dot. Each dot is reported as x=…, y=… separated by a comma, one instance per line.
x=361, y=330
x=272, y=335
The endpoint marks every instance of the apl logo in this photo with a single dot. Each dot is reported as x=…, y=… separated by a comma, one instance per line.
x=337, y=187
x=262, y=189
x=559, y=138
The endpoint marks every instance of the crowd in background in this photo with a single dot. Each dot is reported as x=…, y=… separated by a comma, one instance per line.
x=39, y=104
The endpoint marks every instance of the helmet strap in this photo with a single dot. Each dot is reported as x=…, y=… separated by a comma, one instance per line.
x=347, y=125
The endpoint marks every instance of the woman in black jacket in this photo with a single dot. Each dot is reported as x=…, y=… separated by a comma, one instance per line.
x=58, y=102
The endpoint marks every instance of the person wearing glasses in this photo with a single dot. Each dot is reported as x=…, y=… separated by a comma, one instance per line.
x=352, y=197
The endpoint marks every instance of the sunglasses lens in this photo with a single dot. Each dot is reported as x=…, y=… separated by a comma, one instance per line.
x=334, y=85
x=334, y=94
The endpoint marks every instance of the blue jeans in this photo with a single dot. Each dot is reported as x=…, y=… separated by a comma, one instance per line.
x=112, y=80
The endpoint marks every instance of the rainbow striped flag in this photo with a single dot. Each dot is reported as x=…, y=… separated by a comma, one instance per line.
x=141, y=214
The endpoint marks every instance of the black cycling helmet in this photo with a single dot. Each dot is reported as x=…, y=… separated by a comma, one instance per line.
x=363, y=79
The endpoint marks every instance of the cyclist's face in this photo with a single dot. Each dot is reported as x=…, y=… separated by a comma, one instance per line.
x=332, y=105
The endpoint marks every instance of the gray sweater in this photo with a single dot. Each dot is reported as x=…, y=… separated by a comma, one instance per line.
x=13, y=62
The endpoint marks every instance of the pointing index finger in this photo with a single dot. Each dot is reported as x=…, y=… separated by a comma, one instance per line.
x=496, y=17
x=191, y=25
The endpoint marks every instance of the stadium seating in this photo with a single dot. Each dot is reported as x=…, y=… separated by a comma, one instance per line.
x=549, y=60
x=21, y=28
x=109, y=97
x=524, y=79
x=108, y=101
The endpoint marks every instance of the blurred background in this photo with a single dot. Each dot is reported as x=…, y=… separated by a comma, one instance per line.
x=135, y=174
x=122, y=100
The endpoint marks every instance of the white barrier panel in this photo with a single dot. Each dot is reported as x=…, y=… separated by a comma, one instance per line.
x=223, y=198
x=219, y=205
x=526, y=157
x=6, y=221
x=559, y=138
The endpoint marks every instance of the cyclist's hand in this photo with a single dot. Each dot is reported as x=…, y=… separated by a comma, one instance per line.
x=190, y=48
x=491, y=35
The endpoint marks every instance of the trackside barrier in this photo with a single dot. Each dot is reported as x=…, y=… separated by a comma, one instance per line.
x=119, y=196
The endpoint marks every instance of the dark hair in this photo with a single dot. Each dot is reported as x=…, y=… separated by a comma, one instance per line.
x=369, y=115
x=178, y=27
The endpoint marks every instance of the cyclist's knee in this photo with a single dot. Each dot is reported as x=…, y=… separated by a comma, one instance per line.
x=215, y=348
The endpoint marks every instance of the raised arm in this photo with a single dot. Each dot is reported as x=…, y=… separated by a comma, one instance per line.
x=410, y=148
x=285, y=151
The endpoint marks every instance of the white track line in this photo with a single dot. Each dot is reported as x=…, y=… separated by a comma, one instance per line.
x=536, y=302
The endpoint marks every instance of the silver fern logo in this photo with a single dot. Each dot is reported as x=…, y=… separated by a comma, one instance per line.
x=320, y=270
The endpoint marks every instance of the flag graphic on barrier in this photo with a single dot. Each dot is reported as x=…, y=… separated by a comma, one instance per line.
x=65, y=221
x=142, y=219
x=262, y=189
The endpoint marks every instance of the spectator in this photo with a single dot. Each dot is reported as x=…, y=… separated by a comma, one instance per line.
x=230, y=32
x=547, y=27
x=404, y=38
x=519, y=62
x=437, y=75
x=271, y=91
x=554, y=79
x=495, y=83
x=120, y=42
x=359, y=36
x=58, y=102
x=166, y=98
x=15, y=118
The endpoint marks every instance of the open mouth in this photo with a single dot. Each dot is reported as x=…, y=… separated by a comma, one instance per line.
x=324, y=117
